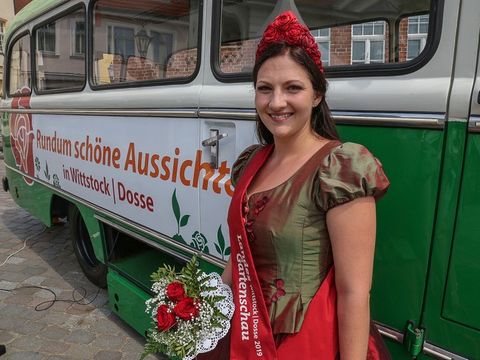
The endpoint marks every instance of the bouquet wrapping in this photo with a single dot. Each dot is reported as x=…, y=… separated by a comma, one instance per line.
x=190, y=311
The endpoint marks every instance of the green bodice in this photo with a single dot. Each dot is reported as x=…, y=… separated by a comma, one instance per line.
x=287, y=230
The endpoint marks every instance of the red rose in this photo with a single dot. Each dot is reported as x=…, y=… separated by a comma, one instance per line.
x=175, y=291
x=271, y=35
x=186, y=309
x=165, y=318
x=293, y=35
x=285, y=19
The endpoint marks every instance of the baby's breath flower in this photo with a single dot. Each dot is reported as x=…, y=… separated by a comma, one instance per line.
x=212, y=304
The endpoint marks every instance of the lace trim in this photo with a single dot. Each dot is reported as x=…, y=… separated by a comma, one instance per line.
x=209, y=340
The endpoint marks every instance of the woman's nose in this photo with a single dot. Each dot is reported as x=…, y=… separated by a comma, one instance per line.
x=277, y=101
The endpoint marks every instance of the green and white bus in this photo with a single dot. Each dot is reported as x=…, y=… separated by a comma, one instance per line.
x=126, y=116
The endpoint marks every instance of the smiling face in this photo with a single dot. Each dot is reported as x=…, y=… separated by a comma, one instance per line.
x=284, y=98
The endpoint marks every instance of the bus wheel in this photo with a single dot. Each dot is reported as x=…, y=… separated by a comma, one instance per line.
x=93, y=269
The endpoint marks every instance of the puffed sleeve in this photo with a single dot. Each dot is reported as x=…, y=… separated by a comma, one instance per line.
x=242, y=161
x=349, y=172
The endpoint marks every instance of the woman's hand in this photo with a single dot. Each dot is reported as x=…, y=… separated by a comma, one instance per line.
x=352, y=228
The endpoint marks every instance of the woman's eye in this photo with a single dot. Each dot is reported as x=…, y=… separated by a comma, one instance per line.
x=294, y=88
x=263, y=88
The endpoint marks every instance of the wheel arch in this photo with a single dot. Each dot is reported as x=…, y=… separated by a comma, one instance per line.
x=94, y=228
x=86, y=234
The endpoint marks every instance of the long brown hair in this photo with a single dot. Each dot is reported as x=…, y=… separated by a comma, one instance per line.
x=321, y=122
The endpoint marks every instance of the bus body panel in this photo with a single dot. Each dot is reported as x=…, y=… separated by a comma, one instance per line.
x=405, y=217
x=450, y=308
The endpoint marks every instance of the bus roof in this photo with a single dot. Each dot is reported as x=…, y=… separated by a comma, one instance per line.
x=29, y=12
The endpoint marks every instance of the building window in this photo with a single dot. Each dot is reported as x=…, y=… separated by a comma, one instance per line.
x=19, y=67
x=63, y=37
x=46, y=38
x=79, y=38
x=121, y=41
x=417, y=35
x=368, y=42
x=2, y=31
x=162, y=45
x=322, y=38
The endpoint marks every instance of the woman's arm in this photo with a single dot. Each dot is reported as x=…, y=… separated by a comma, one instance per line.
x=227, y=273
x=352, y=228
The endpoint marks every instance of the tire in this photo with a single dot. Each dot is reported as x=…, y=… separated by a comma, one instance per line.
x=93, y=269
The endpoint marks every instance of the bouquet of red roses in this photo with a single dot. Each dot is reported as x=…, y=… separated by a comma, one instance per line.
x=191, y=311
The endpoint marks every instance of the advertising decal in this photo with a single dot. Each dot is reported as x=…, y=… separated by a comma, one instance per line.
x=133, y=167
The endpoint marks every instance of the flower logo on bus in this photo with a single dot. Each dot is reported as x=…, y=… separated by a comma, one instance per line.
x=21, y=136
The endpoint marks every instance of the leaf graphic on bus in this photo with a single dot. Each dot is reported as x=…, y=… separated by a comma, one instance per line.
x=179, y=238
x=181, y=220
x=46, y=172
x=175, y=206
x=221, y=241
x=220, y=247
x=184, y=220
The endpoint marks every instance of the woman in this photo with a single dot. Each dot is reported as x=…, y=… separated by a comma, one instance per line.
x=302, y=219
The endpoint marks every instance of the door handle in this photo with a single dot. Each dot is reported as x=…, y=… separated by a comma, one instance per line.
x=213, y=143
x=215, y=136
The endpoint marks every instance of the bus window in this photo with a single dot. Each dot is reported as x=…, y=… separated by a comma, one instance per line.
x=144, y=41
x=349, y=34
x=60, y=54
x=19, y=67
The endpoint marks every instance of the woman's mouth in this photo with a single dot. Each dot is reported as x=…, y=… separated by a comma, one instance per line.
x=280, y=117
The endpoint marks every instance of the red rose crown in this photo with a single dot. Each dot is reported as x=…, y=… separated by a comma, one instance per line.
x=287, y=28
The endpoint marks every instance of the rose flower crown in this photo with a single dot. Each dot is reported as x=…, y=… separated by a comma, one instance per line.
x=286, y=28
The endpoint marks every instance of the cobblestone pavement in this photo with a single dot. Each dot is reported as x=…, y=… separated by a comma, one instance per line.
x=66, y=330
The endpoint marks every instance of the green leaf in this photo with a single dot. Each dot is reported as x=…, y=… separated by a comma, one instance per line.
x=184, y=220
x=179, y=238
x=217, y=298
x=175, y=206
x=46, y=172
x=227, y=251
x=224, y=317
x=221, y=239
x=218, y=249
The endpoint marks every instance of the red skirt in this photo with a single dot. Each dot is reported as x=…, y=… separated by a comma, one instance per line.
x=318, y=337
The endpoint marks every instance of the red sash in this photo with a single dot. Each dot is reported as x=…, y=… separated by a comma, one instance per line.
x=251, y=334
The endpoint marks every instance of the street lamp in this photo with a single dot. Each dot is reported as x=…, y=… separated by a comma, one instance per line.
x=143, y=41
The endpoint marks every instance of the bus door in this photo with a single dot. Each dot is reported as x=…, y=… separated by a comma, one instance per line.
x=223, y=135
x=451, y=315
x=226, y=128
